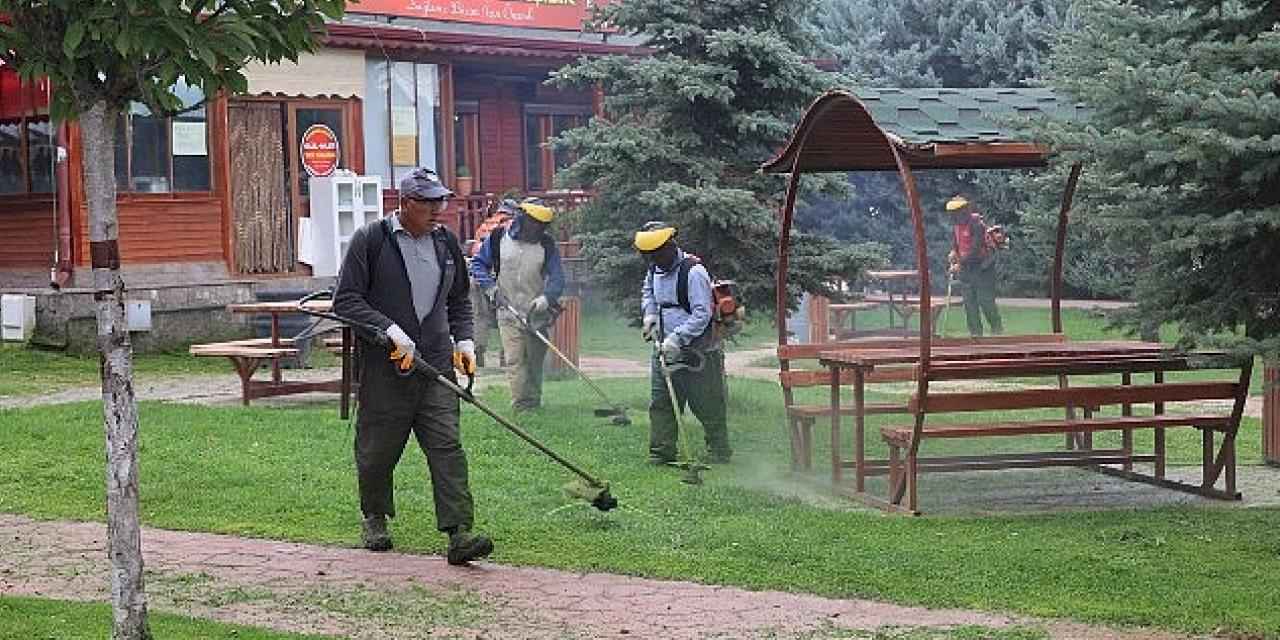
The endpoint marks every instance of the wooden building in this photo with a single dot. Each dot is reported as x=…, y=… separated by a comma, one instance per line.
x=218, y=191
x=213, y=197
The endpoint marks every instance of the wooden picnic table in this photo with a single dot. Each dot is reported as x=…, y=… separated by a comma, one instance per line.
x=1060, y=359
x=897, y=294
x=249, y=355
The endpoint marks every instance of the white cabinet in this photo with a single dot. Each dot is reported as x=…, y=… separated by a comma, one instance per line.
x=340, y=204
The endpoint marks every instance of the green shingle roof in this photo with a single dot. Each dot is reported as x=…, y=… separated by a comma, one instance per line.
x=922, y=116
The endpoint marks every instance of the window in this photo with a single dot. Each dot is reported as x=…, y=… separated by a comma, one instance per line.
x=541, y=123
x=402, y=119
x=466, y=136
x=157, y=154
x=26, y=156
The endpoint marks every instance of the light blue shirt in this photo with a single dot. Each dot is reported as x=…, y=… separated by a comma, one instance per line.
x=420, y=264
x=660, y=294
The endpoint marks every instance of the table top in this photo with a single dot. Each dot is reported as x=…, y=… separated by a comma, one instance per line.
x=961, y=353
x=282, y=306
x=894, y=274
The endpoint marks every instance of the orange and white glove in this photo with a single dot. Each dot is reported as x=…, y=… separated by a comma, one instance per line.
x=464, y=357
x=402, y=354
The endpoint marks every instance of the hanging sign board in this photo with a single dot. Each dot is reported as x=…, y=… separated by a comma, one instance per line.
x=538, y=14
x=319, y=150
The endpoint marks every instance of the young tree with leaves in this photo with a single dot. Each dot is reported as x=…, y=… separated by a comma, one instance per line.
x=99, y=56
x=1180, y=156
x=685, y=132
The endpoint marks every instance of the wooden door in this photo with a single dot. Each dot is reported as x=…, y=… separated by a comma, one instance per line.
x=301, y=115
x=261, y=217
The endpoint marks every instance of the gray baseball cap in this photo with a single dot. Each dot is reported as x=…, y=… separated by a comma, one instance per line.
x=423, y=184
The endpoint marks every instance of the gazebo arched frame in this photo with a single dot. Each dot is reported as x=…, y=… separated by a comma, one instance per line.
x=839, y=134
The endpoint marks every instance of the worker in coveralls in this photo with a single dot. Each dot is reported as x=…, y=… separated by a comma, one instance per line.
x=486, y=315
x=681, y=327
x=973, y=261
x=405, y=275
x=520, y=271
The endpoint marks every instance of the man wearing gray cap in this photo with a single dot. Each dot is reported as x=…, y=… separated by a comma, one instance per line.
x=405, y=274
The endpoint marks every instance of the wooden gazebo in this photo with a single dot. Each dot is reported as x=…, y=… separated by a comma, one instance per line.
x=906, y=130
x=925, y=129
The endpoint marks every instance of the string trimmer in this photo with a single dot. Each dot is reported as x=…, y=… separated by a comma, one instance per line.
x=589, y=488
x=688, y=462
x=946, y=307
x=616, y=412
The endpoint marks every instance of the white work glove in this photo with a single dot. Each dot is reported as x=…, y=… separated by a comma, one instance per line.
x=400, y=338
x=494, y=296
x=647, y=328
x=402, y=354
x=464, y=357
x=670, y=349
x=539, y=306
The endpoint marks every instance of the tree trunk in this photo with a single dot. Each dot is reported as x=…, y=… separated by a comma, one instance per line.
x=119, y=407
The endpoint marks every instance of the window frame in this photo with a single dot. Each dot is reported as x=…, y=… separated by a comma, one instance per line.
x=205, y=105
x=24, y=154
x=545, y=115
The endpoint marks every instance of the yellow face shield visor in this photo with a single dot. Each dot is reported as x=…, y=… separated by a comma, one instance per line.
x=652, y=240
x=957, y=203
x=541, y=213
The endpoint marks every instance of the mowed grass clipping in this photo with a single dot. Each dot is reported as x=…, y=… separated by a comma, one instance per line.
x=31, y=618
x=287, y=473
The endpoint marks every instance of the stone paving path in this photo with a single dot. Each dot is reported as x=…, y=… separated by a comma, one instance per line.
x=357, y=594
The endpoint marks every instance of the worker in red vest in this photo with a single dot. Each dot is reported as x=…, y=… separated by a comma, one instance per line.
x=973, y=261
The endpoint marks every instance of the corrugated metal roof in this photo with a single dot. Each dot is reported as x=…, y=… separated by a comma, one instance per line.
x=862, y=129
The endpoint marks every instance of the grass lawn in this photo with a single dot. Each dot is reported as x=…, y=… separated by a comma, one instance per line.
x=31, y=371
x=29, y=618
x=287, y=473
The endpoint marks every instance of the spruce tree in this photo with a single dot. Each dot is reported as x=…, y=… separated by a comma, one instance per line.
x=685, y=131
x=938, y=43
x=1180, y=156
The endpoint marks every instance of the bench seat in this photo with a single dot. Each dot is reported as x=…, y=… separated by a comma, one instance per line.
x=901, y=436
x=820, y=410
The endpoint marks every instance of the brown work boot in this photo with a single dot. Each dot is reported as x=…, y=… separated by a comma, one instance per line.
x=465, y=546
x=374, y=535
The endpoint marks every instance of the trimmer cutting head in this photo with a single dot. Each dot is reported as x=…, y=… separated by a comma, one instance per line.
x=597, y=495
x=616, y=416
x=692, y=471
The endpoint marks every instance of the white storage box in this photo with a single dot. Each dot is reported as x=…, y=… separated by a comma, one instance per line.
x=17, y=317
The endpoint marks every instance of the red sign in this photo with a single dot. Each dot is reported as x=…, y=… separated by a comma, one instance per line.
x=319, y=150
x=539, y=14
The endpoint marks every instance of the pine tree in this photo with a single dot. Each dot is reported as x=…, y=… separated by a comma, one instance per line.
x=1180, y=156
x=938, y=43
x=685, y=131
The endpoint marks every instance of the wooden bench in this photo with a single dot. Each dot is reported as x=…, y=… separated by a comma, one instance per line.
x=801, y=417
x=904, y=442
x=248, y=355
x=906, y=307
x=842, y=311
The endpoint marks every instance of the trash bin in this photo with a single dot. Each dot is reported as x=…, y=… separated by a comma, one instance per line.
x=291, y=325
